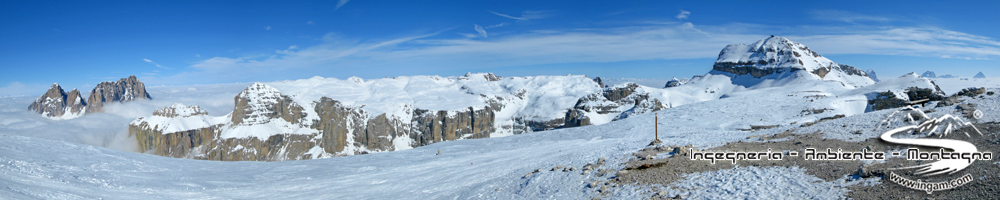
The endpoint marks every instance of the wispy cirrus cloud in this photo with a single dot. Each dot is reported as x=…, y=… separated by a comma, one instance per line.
x=683, y=15
x=525, y=15
x=482, y=31
x=659, y=41
x=154, y=63
x=845, y=16
x=341, y=4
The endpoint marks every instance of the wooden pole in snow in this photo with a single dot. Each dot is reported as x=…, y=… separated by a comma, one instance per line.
x=656, y=125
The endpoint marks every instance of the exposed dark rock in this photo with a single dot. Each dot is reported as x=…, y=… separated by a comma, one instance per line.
x=676, y=82
x=915, y=94
x=576, y=117
x=971, y=92
x=599, y=82
x=56, y=102
x=611, y=101
x=335, y=122
x=886, y=100
x=123, y=90
x=435, y=126
x=749, y=68
x=275, y=148
x=541, y=125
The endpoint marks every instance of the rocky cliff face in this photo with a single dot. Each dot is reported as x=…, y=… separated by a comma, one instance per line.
x=155, y=136
x=124, y=90
x=56, y=103
x=435, y=126
x=612, y=103
x=268, y=126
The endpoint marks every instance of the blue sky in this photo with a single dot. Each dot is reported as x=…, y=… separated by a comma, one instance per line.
x=79, y=44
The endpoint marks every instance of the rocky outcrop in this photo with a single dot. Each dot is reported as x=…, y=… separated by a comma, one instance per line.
x=487, y=76
x=436, y=126
x=124, y=90
x=264, y=126
x=599, y=81
x=674, y=82
x=612, y=103
x=337, y=122
x=276, y=147
x=56, y=103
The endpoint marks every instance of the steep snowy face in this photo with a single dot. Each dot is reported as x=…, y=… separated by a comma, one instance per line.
x=778, y=58
x=871, y=74
x=57, y=104
x=179, y=110
x=177, y=117
x=613, y=103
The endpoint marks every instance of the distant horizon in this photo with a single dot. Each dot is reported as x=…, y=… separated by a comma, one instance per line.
x=80, y=44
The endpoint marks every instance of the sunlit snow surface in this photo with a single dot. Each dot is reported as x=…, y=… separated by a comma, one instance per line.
x=39, y=166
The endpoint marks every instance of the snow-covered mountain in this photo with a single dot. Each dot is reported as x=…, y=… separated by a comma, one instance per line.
x=979, y=75
x=777, y=61
x=324, y=117
x=57, y=104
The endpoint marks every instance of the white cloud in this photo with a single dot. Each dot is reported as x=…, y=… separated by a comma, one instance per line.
x=154, y=63
x=845, y=16
x=497, y=25
x=683, y=15
x=293, y=47
x=310, y=23
x=197, y=55
x=658, y=41
x=340, y=4
x=267, y=28
x=17, y=88
x=480, y=30
x=468, y=35
x=526, y=15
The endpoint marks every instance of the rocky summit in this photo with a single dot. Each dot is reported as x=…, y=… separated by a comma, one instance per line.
x=58, y=104
x=123, y=90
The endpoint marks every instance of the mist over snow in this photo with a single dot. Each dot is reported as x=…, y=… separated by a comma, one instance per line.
x=110, y=128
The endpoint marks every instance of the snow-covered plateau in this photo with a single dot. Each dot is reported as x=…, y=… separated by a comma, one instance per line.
x=477, y=136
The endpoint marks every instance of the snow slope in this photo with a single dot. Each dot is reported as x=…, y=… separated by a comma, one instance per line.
x=492, y=168
x=484, y=168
